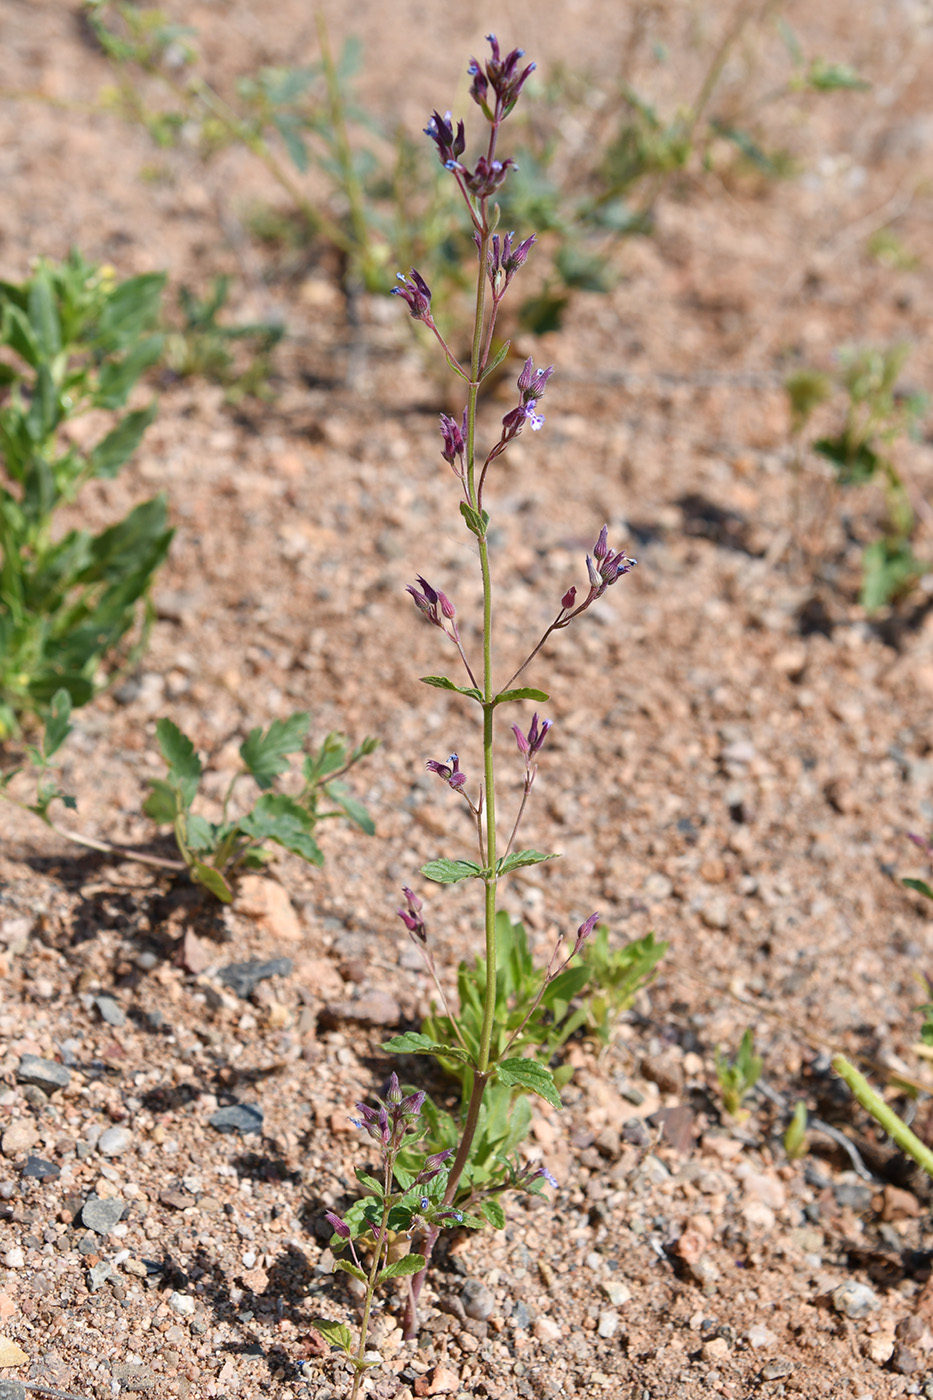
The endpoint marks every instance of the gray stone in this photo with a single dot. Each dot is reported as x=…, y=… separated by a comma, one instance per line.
x=40, y=1170
x=521, y=1317
x=114, y=1141
x=98, y=1275
x=12, y=1390
x=855, y=1300
x=110, y=1011
x=243, y=978
x=478, y=1301
x=132, y=1376
x=100, y=1215
x=608, y=1323
x=44, y=1074
x=237, y=1118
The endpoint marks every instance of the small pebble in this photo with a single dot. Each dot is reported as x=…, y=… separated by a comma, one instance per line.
x=98, y=1275
x=182, y=1304
x=774, y=1370
x=114, y=1141
x=855, y=1300
x=617, y=1293
x=101, y=1216
x=40, y=1170
x=14, y=1258
x=478, y=1301
x=608, y=1323
x=44, y=1074
x=19, y=1137
x=110, y=1011
x=761, y=1336
x=242, y=978
x=237, y=1118
x=12, y=1390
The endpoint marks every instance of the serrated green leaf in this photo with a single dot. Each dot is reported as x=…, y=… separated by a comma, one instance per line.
x=520, y=858
x=200, y=834
x=529, y=1074
x=264, y=753
x=183, y=762
x=491, y=1208
x=474, y=521
x=414, y=1043
x=212, y=880
x=118, y=446
x=442, y=683
x=343, y=1266
x=525, y=692
x=450, y=872
x=402, y=1268
x=336, y=1333
x=279, y=818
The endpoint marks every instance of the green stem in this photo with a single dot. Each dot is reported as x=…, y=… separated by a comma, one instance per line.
x=370, y=1293
x=894, y=1126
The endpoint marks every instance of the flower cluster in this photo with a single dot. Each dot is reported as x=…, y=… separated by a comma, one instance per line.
x=529, y=744
x=434, y=604
x=602, y=569
x=503, y=261
x=411, y=917
x=531, y=384
x=503, y=76
x=454, y=435
x=396, y=1117
x=417, y=293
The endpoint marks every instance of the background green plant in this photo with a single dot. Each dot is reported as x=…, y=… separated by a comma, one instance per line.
x=214, y=852
x=204, y=345
x=737, y=1077
x=72, y=340
x=874, y=417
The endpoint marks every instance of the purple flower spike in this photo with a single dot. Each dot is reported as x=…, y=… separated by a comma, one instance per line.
x=434, y=604
x=502, y=75
x=417, y=293
x=533, y=382
x=488, y=176
x=609, y=565
x=339, y=1227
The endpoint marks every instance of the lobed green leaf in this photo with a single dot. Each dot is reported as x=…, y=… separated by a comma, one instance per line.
x=529, y=1074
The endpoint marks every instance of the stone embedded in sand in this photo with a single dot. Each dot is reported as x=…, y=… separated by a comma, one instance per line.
x=19, y=1137
x=47, y=1075
x=101, y=1216
x=855, y=1300
x=114, y=1141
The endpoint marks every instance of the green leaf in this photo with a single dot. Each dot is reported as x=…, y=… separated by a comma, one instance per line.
x=496, y=360
x=343, y=1266
x=162, y=805
x=402, y=1268
x=132, y=308
x=200, y=834
x=450, y=872
x=212, y=880
x=119, y=445
x=43, y=315
x=264, y=753
x=289, y=128
x=278, y=818
x=57, y=726
x=370, y=1183
x=491, y=1208
x=442, y=683
x=529, y=1074
x=920, y=886
x=475, y=522
x=525, y=692
x=351, y=808
x=336, y=1333
x=831, y=77
x=183, y=762
x=520, y=858
x=414, y=1043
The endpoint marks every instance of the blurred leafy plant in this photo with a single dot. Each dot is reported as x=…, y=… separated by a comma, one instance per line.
x=215, y=852
x=875, y=417
x=795, y=1135
x=73, y=340
x=297, y=121
x=203, y=345
x=737, y=1078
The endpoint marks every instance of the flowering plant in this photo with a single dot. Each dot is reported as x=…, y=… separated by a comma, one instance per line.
x=487, y=1054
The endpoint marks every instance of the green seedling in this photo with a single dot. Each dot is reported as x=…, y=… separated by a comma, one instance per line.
x=884, y=1115
x=737, y=1078
x=795, y=1136
x=215, y=852
x=73, y=340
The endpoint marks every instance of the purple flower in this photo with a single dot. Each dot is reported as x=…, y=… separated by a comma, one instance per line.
x=530, y=744
x=339, y=1227
x=502, y=261
x=568, y=599
x=533, y=382
x=608, y=565
x=450, y=146
x=548, y=1177
x=488, y=176
x=453, y=435
x=434, y=604
x=417, y=293
x=449, y=771
x=584, y=931
x=411, y=917
x=432, y=1165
